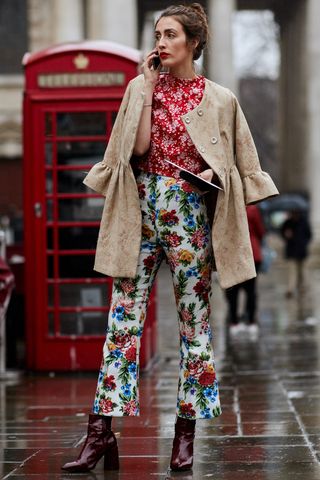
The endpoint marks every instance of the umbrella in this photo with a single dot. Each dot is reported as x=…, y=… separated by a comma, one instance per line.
x=286, y=203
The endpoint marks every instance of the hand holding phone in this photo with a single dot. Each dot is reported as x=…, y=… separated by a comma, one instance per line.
x=156, y=61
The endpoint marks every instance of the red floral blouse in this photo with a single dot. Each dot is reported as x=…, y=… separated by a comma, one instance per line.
x=172, y=98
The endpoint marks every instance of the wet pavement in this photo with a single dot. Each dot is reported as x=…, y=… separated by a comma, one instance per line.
x=270, y=392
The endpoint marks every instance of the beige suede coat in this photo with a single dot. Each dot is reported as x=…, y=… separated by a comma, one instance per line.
x=219, y=131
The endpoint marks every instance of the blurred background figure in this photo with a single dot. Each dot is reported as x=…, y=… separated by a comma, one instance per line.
x=257, y=232
x=296, y=232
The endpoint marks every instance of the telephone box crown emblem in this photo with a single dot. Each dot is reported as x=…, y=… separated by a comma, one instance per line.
x=81, y=62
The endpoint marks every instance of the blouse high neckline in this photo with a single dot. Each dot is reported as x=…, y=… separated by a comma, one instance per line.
x=172, y=78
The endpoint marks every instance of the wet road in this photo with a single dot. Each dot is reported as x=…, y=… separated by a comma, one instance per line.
x=270, y=391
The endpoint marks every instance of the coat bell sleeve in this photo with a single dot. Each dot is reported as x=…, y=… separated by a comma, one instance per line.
x=257, y=184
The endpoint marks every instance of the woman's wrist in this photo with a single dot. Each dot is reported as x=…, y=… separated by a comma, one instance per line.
x=149, y=86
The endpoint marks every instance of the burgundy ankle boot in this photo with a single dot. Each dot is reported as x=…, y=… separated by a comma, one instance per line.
x=100, y=441
x=182, y=450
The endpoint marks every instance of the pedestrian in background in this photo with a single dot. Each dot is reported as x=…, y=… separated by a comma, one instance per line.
x=257, y=232
x=153, y=214
x=296, y=232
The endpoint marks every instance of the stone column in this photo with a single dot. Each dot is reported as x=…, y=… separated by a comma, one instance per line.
x=293, y=128
x=115, y=21
x=220, y=50
x=300, y=108
x=67, y=21
x=39, y=24
x=312, y=79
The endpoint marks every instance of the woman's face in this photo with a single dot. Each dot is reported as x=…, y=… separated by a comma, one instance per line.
x=171, y=43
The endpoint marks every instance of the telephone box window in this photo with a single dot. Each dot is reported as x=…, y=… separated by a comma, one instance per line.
x=48, y=153
x=80, y=209
x=81, y=123
x=80, y=153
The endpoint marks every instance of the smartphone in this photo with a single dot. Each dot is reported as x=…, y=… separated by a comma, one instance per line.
x=156, y=62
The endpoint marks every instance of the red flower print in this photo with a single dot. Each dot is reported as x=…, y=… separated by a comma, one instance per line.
x=173, y=259
x=188, y=332
x=142, y=190
x=149, y=262
x=127, y=304
x=131, y=354
x=122, y=340
x=199, y=287
x=198, y=238
x=207, y=378
x=127, y=286
x=106, y=405
x=195, y=367
x=186, y=409
x=169, y=218
x=109, y=383
x=130, y=408
x=186, y=316
x=173, y=239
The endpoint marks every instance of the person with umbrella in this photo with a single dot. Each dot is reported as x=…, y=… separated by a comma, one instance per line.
x=296, y=232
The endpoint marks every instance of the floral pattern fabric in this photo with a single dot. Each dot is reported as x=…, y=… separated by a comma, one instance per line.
x=172, y=98
x=175, y=226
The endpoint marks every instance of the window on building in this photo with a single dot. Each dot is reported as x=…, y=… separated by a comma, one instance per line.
x=13, y=35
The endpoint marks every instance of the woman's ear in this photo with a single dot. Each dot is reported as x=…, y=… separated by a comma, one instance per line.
x=194, y=43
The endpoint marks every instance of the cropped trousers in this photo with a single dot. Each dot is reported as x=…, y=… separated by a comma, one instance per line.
x=175, y=226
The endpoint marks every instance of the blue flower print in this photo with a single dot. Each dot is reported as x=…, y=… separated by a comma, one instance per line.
x=185, y=341
x=118, y=313
x=192, y=272
x=189, y=220
x=208, y=392
x=194, y=199
x=211, y=393
x=117, y=353
x=152, y=198
x=191, y=380
x=133, y=370
x=205, y=413
x=126, y=389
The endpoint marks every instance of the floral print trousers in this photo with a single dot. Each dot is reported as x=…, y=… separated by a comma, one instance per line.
x=175, y=226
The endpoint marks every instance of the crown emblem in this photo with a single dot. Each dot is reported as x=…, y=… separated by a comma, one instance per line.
x=81, y=61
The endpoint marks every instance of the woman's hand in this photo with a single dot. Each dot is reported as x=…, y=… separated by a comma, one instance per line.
x=150, y=74
x=206, y=175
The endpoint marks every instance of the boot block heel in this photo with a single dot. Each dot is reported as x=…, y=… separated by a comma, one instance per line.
x=111, y=458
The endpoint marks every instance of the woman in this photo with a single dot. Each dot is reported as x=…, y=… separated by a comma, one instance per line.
x=257, y=232
x=184, y=118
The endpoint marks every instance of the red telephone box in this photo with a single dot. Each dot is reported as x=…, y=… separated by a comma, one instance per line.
x=72, y=95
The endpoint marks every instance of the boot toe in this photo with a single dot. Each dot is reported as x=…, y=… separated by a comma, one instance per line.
x=74, y=467
x=180, y=466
